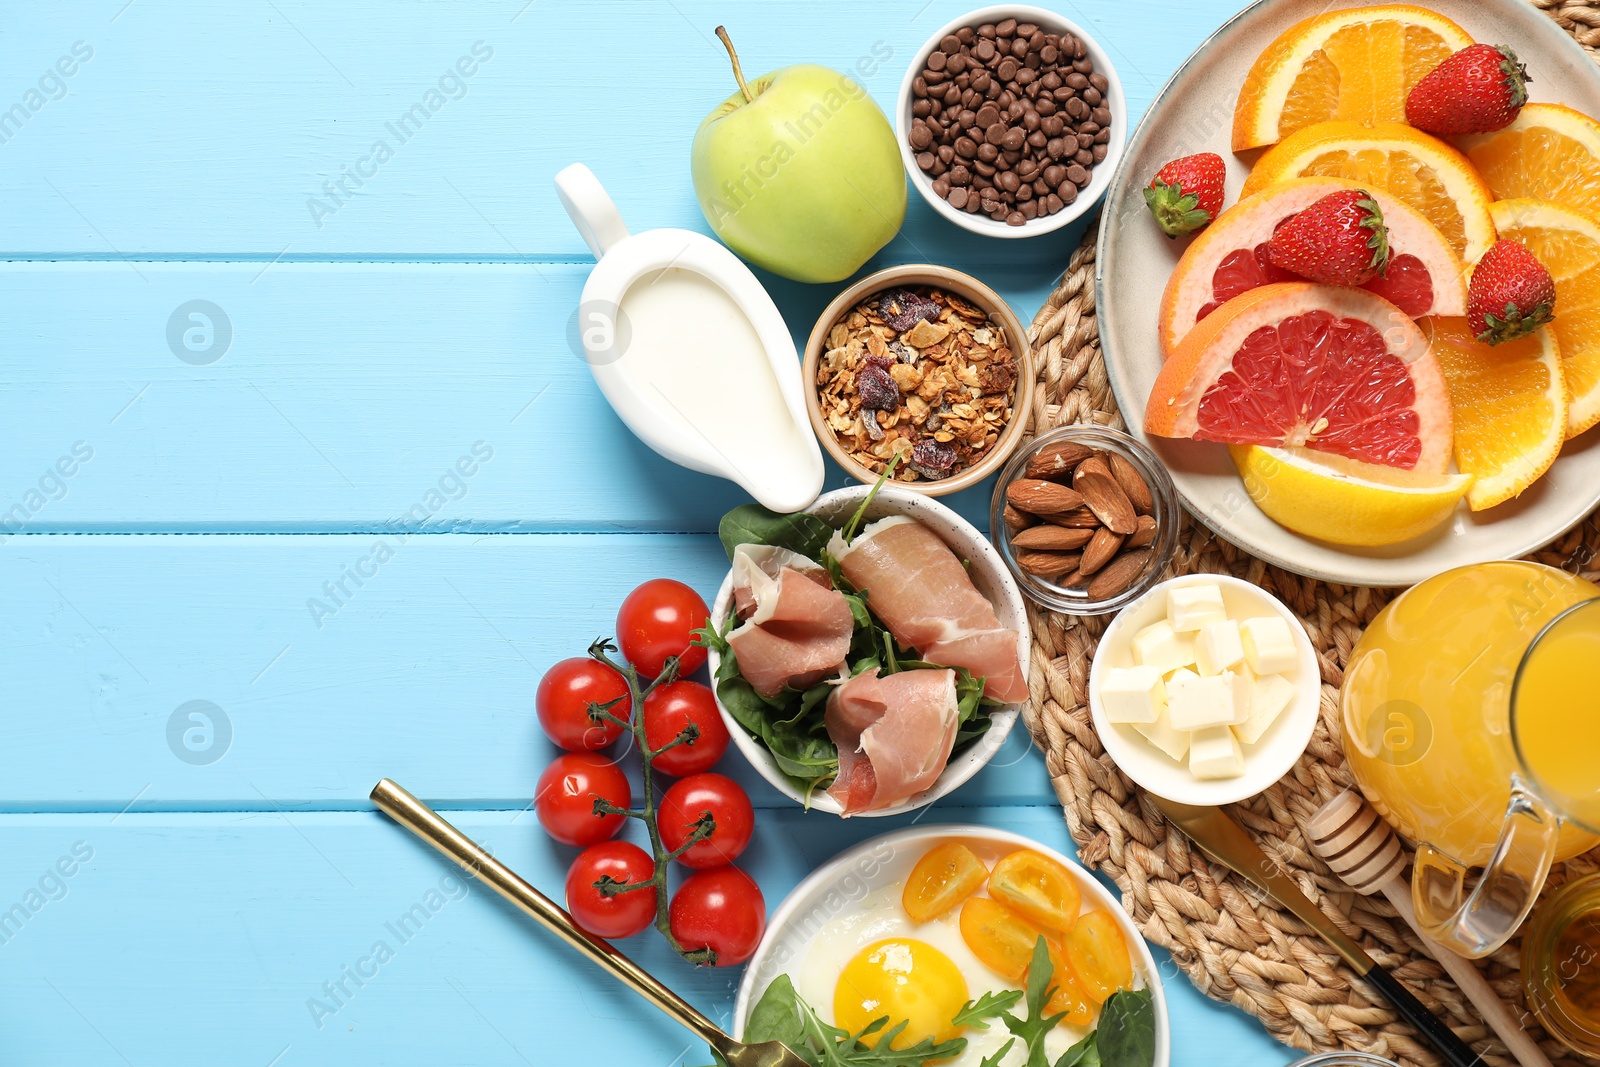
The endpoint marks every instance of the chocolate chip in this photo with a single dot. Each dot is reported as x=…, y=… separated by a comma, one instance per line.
x=1008, y=120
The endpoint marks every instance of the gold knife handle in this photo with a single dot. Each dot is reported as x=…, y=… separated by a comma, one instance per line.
x=423, y=821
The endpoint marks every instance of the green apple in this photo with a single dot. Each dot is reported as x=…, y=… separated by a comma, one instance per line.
x=799, y=172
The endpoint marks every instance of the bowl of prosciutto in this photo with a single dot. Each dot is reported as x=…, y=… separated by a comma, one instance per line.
x=870, y=654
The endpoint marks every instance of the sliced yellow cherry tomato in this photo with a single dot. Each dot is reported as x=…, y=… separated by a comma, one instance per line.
x=1069, y=999
x=1097, y=955
x=1001, y=939
x=944, y=877
x=1038, y=888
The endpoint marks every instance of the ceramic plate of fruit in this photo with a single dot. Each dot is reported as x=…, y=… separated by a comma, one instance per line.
x=1371, y=348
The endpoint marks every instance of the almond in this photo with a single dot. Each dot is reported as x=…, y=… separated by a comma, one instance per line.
x=1017, y=520
x=1104, y=496
x=1144, y=534
x=1041, y=497
x=1133, y=484
x=1079, y=518
x=1051, y=538
x=1119, y=574
x=1058, y=461
x=1047, y=564
x=1098, y=552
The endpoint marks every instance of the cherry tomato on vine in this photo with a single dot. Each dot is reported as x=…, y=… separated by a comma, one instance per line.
x=658, y=620
x=563, y=698
x=566, y=793
x=721, y=909
x=667, y=710
x=621, y=914
x=730, y=809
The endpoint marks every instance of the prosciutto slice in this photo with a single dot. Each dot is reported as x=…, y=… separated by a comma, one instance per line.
x=894, y=736
x=922, y=593
x=796, y=628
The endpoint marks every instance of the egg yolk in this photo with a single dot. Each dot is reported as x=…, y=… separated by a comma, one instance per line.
x=908, y=980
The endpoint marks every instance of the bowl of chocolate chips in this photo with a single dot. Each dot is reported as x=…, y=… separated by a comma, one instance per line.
x=1011, y=121
x=922, y=371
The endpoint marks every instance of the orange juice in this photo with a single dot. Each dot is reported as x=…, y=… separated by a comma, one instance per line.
x=1554, y=719
x=1426, y=704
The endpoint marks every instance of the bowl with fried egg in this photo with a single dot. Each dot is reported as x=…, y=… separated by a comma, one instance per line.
x=916, y=925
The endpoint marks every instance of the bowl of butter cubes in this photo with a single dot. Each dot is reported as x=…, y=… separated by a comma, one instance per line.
x=1205, y=690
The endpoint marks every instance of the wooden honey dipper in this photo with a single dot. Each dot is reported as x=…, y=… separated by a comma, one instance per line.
x=1363, y=850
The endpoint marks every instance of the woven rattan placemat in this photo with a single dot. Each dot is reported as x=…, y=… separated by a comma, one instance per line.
x=1234, y=945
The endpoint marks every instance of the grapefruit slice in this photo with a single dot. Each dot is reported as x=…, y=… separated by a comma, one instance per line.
x=1337, y=371
x=1229, y=257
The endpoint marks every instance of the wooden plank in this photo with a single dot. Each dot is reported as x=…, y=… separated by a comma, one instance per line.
x=214, y=129
x=345, y=398
x=208, y=938
x=423, y=670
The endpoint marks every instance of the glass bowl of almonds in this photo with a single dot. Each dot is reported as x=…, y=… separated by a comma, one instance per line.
x=923, y=362
x=1087, y=519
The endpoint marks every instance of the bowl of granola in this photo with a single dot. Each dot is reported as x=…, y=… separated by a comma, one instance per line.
x=920, y=360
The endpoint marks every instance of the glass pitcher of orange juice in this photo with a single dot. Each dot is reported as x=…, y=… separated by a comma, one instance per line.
x=1471, y=712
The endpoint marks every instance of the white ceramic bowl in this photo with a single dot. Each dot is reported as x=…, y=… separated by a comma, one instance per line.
x=1100, y=176
x=844, y=880
x=1267, y=760
x=989, y=574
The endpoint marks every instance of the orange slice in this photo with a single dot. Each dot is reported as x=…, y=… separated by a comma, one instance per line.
x=1357, y=65
x=1510, y=405
x=1408, y=164
x=1229, y=257
x=1550, y=153
x=1568, y=244
x=1338, y=371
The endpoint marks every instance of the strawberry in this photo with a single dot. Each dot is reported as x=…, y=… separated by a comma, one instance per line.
x=1338, y=240
x=1476, y=90
x=1186, y=193
x=1511, y=294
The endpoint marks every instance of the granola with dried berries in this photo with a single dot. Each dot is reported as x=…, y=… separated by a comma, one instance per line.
x=921, y=371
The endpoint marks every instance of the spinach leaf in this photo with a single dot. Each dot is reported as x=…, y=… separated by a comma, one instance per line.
x=1128, y=1029
x=782, y=1015
x=777, y=1016
x=977, y=1013
x=1037, y=1025
x=1085, y=1053
x=753, y=524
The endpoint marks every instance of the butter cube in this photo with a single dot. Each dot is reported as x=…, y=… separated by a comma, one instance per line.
x=1133, y=694
x=1160, y=733
x=1268, y=645
x=1218, y=647
x=1159, y=646
x=1269, y=697
x=1195, y=703
x=1189, y=607
x=1214, y=753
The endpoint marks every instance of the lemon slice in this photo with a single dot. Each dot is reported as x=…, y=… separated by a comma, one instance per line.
x=1346, y=503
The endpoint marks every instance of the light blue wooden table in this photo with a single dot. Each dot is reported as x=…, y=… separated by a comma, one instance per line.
x=168, y=514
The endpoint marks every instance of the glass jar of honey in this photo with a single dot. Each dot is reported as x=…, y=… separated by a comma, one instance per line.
x=1561, y=965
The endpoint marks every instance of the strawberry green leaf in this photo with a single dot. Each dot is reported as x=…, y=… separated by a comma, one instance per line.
x=1177, y=213
x=1379, y=240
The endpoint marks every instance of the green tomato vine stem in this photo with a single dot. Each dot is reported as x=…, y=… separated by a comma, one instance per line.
x=600, y=713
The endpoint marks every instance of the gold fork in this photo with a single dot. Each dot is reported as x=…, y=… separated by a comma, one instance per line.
x=423, y=821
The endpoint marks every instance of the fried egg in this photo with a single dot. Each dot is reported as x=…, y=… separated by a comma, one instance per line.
x=873, y=961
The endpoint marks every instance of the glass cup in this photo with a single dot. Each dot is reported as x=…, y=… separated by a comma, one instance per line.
x=1561, y=965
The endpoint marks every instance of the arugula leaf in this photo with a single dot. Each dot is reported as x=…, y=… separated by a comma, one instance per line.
x=1127, y=1034
x=977, y=1013
x=1085, y=1053
x=1033, y=1029
x=753, y=524
x=994, y=1061
x=782, y=1015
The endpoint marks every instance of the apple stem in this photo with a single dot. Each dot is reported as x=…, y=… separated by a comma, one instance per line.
x=738, y=74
